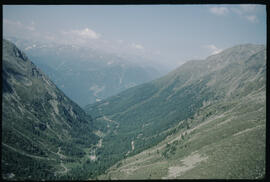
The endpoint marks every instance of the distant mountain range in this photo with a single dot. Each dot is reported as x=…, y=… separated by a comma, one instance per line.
x=87, y=75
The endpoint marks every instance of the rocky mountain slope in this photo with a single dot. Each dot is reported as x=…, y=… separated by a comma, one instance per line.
x=207, y=114
x=84, y=74
x=45, y=135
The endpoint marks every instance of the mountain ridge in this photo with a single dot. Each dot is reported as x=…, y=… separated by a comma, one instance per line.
x=42, y=129
x=146, y=113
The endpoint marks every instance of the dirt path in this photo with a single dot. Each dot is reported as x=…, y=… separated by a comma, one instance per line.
x=186, y=132
x=132, y=148
x=132, y=145
x=189, y=162
x=29, y=155
x=99, y=144
x=93, y=156
x=60, y=155
x=65, y=168
x=247, y=130
x=137, y=161
x=111, y=121
x=28, y=137
x=43, y=158
x=174, y=139
x=62, y=164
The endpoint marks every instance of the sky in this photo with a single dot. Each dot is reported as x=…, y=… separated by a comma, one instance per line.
x=169, y=34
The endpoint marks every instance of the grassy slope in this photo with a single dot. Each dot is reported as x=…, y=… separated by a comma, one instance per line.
x=232, y=140
x=238, y=86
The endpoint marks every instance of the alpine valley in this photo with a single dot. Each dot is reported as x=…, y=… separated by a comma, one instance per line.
x=204, y=120
x=86, y=74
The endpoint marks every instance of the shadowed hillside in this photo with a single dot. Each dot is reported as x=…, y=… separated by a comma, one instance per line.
x=42, y=130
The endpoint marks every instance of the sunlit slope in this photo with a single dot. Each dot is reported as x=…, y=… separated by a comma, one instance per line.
x=225, y=137
x=43, y=131
x=225, y=140
x=144, y=115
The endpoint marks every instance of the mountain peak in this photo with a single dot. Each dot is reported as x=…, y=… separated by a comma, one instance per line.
x=13, y=50
x=242, y=49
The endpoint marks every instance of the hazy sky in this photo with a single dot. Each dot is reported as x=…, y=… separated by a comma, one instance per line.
x=169, y=33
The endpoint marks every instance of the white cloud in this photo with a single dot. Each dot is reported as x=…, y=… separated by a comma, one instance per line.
x=120, y=41
x=49, y=37
x=213, y=49
x=137, y=46
x=244, y=9
x=85, y=33
x=252, y=18
x=219, y=10
x=247, y=11
x=157, y=52
x=31, y=28
x=10, y=22
x=81, y=37
x=248, y=7
x=20, y=29
x=236, y=10
x=18, y=25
